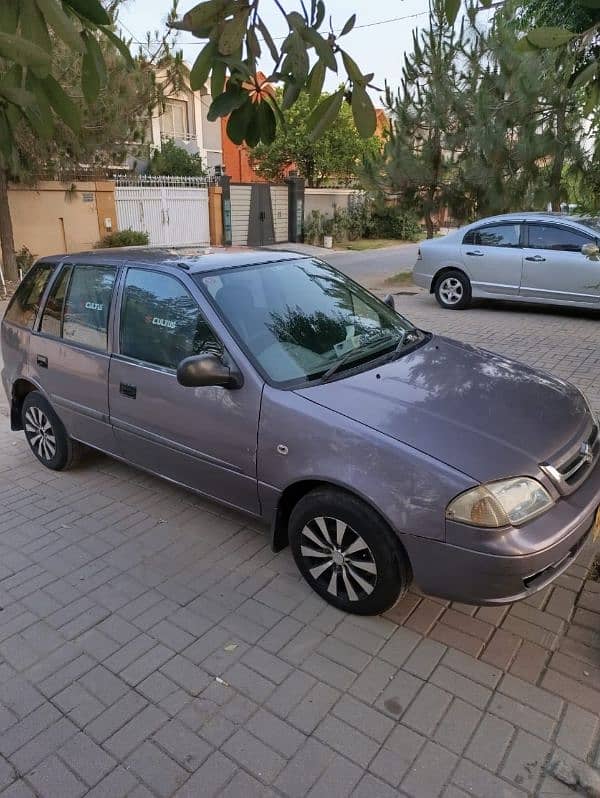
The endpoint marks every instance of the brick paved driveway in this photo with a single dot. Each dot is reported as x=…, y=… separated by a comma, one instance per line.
x=152, y=645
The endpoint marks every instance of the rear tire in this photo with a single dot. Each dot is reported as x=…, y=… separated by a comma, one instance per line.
x=453, y=290
x=46, y=435
x=347, y=553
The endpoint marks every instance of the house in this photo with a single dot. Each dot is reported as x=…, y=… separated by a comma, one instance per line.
x=184, y=119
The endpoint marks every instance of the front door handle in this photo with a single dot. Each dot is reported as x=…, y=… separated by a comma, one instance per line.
x=42, y=361
x=535, y=258
x=476, y=253
x=128, y=390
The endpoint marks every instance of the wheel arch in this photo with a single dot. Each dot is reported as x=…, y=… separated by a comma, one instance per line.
x=291, y=495
x=445, y=270
x=20, y=389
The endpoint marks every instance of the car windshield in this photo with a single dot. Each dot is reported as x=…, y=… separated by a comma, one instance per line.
x=300, y=320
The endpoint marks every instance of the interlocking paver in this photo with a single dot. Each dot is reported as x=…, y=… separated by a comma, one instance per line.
x=52, y=778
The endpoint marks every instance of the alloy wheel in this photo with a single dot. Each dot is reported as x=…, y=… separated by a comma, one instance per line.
x=39, y=433
x=451, y=290
x=338, y=558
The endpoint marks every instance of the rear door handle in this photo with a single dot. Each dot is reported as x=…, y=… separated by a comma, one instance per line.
x=128, y=390
x=42, y=361
x=476, y=253
x=535, y=258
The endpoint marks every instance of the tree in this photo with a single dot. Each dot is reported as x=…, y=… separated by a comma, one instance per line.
x=336, y=155
x=419, y=160
x=174, y=160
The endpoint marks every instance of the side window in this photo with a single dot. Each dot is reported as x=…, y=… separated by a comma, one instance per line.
x=501, y=235
x=549, y=236
x=161, y=322
x=53, y=311
x=87, y=305
x=469, y=237
x=25, y=303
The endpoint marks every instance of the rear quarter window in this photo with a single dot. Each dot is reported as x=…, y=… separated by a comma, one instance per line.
x=25, y=304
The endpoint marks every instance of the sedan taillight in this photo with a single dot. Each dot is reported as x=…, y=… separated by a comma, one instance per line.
x=419, y=256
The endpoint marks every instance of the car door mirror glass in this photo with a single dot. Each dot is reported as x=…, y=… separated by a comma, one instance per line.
x=206, y=370
x=389, y=301
x=591, y=250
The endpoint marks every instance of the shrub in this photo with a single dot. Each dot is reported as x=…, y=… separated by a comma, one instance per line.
x=313, y=228
x=175, y=161
x=389, y=221
x=24, y=259
x=124, y=238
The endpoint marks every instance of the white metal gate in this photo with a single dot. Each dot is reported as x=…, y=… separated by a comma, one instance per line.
x=172, y=212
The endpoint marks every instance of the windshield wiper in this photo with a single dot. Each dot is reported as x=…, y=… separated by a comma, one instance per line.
x=381, y=343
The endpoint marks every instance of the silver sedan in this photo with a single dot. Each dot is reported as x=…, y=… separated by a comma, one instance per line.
x=523, y=257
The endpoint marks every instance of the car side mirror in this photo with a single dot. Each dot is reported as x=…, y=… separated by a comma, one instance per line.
x=200, y=371
x=590, y=250
x=389, y=301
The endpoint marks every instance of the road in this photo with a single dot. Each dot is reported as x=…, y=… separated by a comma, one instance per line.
x=373, y=263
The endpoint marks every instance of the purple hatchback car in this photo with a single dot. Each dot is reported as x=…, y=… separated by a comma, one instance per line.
x=274, y=384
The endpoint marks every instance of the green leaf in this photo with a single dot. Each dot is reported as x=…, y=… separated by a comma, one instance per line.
x=93, y=69
x=264, y=31
x=121, y=46
x=266, y=123
x=363, y=111
x=296, y=21
x=9, y=16
x=91, y=10
x=320, y=14
x=589, y=3
x=593, y=98
x=217, y=79
x=586, y=75
x=322, y=47
x=354, y=73
x=62, y=104
x=33, y=25
x=206, y=14
x=17, y=96
x=325, y=113
x=21, y=51
x=291, y=92
x=349, y=25
x=202, y=64
x=227, y=102
x=39, y=114
x=252, y=43
x=61, y=24
x=253, y=129
x=296, y=62
x=233, y=32
x=238, y=122
x=523, y=45
x=315, y=83
x=452, y=8
x=549, y=37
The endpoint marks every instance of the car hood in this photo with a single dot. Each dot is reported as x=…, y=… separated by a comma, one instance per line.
x=483, y=414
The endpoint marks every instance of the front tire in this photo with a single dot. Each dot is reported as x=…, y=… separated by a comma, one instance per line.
x=46, y=435
x=347, y=553
x=453, y=290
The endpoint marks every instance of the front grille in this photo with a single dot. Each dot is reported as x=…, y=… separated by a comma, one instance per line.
x=569, y=473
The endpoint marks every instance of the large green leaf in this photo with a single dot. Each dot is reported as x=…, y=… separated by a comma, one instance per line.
x=549, y=37
x=452, y=9
x=315, y=82
x=203, y=15
x=292, y=90
x=352, y=69
x=17, y=96
x=322, y=47
x=120, y=45
x=589, y=3
x=523, y=45
x=586, y=75
x=61, y=23
x=350, y=23
x=93, y=69
x=268, y=40
x=217, y=78
x=296, y=62
x=325, y=113
x=266, y=123
x=9, y=16
x=202, y=65
x=227, y=102
x=33, y=25
x=253, y=129
x=320, y=14
x=62, y=104
x=21, y=51
x=238, y=122
x=91, y=10
x=363, y=111
x=233, y=33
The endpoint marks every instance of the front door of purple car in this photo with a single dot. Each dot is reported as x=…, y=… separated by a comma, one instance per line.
x=204, y=438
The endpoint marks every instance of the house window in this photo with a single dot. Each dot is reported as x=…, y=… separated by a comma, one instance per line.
x=174, y=120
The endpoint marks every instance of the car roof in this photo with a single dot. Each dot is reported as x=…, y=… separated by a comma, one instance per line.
x=529, y=216
x=207, y=261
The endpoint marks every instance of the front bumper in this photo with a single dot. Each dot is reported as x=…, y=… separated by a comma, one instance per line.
x=546, y=547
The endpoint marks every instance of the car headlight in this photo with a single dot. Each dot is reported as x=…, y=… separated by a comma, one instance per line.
x=503, y=503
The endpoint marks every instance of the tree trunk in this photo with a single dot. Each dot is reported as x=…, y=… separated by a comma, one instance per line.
x=559, y=159
x=428, y=223
x=7, y=241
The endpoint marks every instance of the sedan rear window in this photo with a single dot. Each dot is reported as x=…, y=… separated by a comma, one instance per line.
x=25, y=303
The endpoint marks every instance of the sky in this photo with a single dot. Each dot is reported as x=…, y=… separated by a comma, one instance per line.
x=378, y=48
